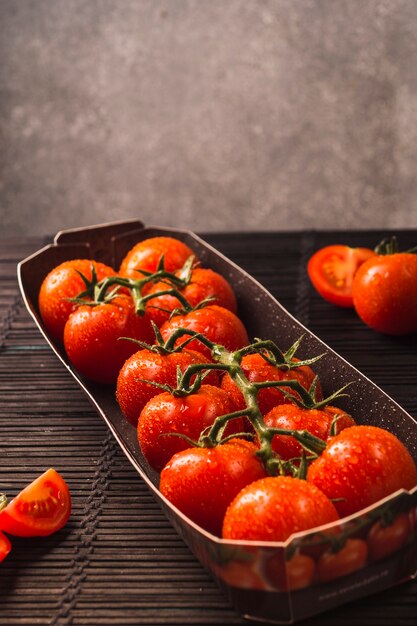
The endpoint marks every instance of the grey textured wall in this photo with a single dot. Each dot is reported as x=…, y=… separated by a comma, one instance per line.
x=209, y=114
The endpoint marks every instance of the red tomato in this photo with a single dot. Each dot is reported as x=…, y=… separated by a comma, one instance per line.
x=383, y=540
x=273, y=508
x=257, y=369
x=331, y=270
x=204, y=283
x=5, y=546
x=296, y=573
x=214, y=322
x=188, y=415
x=315, y=421
x=40, y=509
x=132, y=393
x=362, y=465
x=385, y=293
x=350, y=558
x=92, y=337
x=147, y=254
x=61, y=283
x=201, y=482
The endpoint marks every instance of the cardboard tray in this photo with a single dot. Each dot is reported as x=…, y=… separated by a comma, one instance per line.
x=269, y=582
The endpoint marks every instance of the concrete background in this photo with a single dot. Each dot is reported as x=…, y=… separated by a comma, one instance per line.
x=209, y=115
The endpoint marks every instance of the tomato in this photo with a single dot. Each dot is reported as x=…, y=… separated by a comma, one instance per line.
x=214, y=322
x=92, y=337
x=132, y=392
x=385, y=293
x=40, y=509
x=331, y=270
x=362, y=465
x=146, y=255
x=257, y=369
x=316, y=421
x=275, y=507
x=189, y=415
x=385, y=539
x=204, y=283
x=5, y=546
x=296, y=573
x=201, y=482
x=350, y=558
x=62, y=283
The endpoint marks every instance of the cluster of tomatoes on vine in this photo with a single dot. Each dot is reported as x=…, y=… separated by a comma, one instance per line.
x=245, y=443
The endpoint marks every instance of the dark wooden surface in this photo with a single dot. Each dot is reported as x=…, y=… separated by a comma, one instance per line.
x=118, y=561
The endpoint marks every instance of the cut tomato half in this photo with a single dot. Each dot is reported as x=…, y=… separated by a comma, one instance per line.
x=40, y=509
x=5, y=546
x=331, y=270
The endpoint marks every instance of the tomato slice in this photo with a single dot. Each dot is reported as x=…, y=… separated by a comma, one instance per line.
x=40, y=509
x=331, y=270
x=5, y=546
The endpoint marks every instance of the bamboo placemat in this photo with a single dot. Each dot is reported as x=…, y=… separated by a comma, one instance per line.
x=118, y=561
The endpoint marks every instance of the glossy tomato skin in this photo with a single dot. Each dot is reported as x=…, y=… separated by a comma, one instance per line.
x=92, y=337
x=331, y=270
x=132, y=392
x=273, y=508
x=40, y=509
x=318, y=422
x=215, y=322
x=350, y=558
x=61, y=283
x=146, y=255
x=189, y=415
x=201, y=482
x=204, y=283
x=257, y=369
x=360, y=466
x=385, y=293
x=5, y=546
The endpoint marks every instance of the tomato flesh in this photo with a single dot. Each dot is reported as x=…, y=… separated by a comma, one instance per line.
x=40, y=509
x=331, y=270
x=5, y=546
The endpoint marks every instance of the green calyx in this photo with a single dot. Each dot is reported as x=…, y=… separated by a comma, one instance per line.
x=390, y=246
x=230, y=362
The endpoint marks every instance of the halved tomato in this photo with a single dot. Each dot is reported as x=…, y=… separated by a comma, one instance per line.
x=40, y=509
x=332, y=268
x=5, y=546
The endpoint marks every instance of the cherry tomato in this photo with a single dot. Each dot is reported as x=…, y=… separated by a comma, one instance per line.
x=331, y=270
x=385, y=539
x=316, y=421
x=275, y=507
x=350, y=558
x=40, y=509
x=385, y=293
x=296, y=573
x=62, y=283
x=5, y=546
x=362, y=465
x=204, y=283
x=257, y=369
x=132, y=392
x=189, y=415
x=92, y=337
x=214, y=322
x=201, y=482
x=146, y=255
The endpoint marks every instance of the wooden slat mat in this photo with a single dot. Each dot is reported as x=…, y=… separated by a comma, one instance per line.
x=118, y=561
